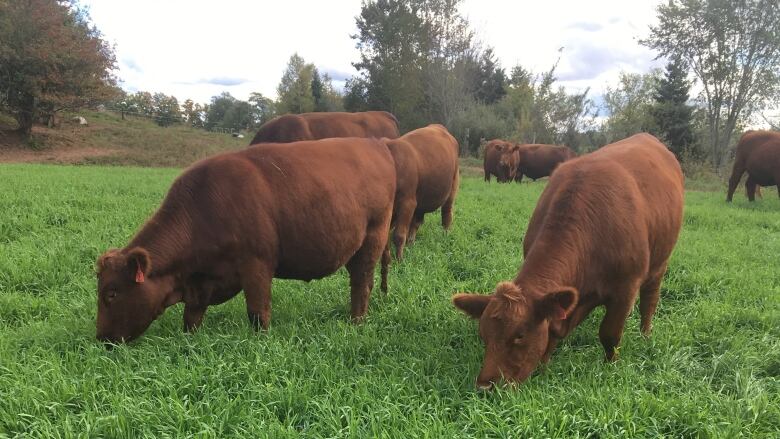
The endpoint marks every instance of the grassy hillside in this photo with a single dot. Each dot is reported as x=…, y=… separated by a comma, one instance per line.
x=710, y=369
x=109, y=140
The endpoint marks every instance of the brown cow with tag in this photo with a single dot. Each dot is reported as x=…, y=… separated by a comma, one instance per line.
x=601, y=235
x=236, y=220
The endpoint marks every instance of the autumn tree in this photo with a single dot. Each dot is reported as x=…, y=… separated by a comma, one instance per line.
x=192, y=113
x=51, y=59
x=733, y=49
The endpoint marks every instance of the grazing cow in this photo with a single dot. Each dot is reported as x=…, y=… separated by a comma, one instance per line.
x=426, y=164
x=313, y=126
x=603, y=229
x=758, y=153
x=536, y=160
x=494, y=150
x=236, y=220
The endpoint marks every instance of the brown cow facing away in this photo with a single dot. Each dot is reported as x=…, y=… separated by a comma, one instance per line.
x=535, y=160
x=494, y=151
x=602, y=231
x=313, y=126
x=426, y=164
x=758, y=154
x=236, y=220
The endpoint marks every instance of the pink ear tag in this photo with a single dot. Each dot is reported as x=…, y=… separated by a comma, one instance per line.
x=139, y=275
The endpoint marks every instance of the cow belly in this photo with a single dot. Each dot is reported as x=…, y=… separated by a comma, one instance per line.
x=314, y=259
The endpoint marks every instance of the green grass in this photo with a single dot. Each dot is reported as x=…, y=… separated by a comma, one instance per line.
x=710, y=369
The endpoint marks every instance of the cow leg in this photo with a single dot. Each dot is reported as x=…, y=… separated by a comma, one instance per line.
x=519, y=177
x=618, y=309
x=750, y=188
x=386, y=259
x=361, y=269
x=649, y=293
x=417, y=220
x=446, y=208
x=736, y=175
x=403, y=220
x=256, y=280
x=193, y=316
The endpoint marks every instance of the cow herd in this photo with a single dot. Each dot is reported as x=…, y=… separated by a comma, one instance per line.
x=510, y=162
x=320, y=191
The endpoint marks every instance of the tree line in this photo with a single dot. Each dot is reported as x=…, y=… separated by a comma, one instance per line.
x=301, y=89
x=422, y=61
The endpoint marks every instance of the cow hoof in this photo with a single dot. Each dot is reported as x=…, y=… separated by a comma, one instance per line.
x=257, y=322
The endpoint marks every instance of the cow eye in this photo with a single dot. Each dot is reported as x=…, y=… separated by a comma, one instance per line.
x=518, y=339
x=111, y=295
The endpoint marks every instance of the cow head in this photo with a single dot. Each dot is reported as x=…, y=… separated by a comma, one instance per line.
x=129, y=297
x=516, y=327
x=509, y=161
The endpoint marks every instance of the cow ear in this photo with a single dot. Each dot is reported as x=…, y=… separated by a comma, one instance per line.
x=471, y=304
x=558, y=304
x=139, y=263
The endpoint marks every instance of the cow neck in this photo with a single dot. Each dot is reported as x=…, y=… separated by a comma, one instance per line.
x=166, y=236
x=552, y=263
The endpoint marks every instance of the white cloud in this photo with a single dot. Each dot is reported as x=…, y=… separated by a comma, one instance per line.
x=197, y=49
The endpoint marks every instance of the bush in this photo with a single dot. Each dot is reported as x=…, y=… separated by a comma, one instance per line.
x=476, y=123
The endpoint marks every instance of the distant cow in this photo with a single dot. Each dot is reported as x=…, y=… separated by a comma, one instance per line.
x=758, y=153
x=236, y=220
x=313, y=126
x=494, y=150
x=535, y=160
x=602, y=231
x=426, y=163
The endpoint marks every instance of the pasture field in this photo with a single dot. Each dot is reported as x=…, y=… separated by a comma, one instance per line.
x=710, y=369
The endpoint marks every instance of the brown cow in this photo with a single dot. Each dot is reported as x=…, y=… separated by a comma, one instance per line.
x=537, y=160
x=603, y=229
x=758, y=153
x=494, y=150
x=426, y=164
x=236, y=220
x=313, y=126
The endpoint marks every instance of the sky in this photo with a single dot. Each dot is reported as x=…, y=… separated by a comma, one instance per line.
x=197, y=49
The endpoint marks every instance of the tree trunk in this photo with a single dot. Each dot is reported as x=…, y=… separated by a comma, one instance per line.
x=25, y=121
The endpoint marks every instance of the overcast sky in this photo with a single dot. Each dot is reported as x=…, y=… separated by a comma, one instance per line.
x=197, y=49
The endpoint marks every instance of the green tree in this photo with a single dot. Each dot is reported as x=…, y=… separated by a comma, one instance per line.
x=238, y=116
x=141, y=103
x=491, y=81
x=356, y=94
x=317, y=91
x=294, y=91
x=263, y=108
x=217, y=110
x=673, y=116
x=733, y=48
x=630, y=105
x=51, y=59
x=393, y=44
x=166, y=110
